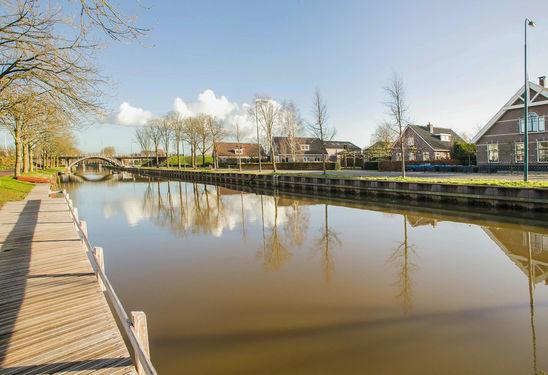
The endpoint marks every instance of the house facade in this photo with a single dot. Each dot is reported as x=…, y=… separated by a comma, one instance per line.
x=298, y=149
x=335, y=149
x=231, y=152
x=425, y=143
x=500, y=143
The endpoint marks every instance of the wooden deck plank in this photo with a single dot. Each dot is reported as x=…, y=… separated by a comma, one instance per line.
x=53, y=316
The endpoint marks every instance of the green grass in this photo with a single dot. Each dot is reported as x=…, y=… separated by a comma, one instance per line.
x=13, y=190
x=437, y=180
x=48, y=172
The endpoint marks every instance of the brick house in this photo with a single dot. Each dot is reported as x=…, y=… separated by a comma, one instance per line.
x=426, y=143
x=230, y=152
x=299, y=149
x=500, y=142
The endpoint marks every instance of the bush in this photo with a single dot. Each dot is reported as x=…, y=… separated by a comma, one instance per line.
x=465, y=153
x=390, y=165
x=371, y=165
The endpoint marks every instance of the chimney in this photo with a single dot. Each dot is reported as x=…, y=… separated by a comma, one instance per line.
x=541, y=80
x=431, y=128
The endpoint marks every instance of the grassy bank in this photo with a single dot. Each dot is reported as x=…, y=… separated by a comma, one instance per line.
x=13, y=190
x=437, y=180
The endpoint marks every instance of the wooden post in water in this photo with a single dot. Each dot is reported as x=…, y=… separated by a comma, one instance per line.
x=98, y=253
x=139, y=320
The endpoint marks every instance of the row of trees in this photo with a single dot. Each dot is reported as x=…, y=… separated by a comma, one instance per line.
x=201, y=132
x=48, y=81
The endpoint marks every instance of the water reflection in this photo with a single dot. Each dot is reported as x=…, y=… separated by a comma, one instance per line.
x=329, y=286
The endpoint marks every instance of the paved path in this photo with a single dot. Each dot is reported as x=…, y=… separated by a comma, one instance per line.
x=53, y=316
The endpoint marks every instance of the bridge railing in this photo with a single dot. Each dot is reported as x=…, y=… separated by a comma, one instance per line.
x=135, y=328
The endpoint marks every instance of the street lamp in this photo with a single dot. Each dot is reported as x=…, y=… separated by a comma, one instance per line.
x=529, y=23
x=257, y=124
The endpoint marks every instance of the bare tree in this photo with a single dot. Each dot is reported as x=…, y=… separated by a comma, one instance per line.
x=155, y=135
x=143, y=138
x=166, y=135
x=178, y=127
x=292, y=127
x=268, y=112
x=204, y=135
x=239, y=134
x=398, y=109
x=319, y=126
x=217, y=133
x=191, y=131
x=108, y=151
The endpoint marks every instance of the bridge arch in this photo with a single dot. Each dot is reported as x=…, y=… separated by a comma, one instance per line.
x=108, y=159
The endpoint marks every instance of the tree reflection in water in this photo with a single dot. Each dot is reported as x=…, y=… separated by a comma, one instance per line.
x=328, y=239
x=401, y=257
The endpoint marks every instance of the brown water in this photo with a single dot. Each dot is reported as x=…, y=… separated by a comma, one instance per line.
x=240, y=283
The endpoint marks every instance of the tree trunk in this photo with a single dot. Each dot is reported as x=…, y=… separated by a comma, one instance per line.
x=324, y=169
x=272, y=155
x=17, y=168
x=25, y=157
x=203, y=159
x=31, y=159
x=178, y=155
x=157, y=160
x=240, y=163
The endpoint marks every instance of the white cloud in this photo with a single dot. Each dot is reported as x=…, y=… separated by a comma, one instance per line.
x=207, y=103
x=132, y=116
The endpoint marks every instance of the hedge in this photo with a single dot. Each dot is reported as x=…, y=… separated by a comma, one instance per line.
x=390, y=165
x=306, y=166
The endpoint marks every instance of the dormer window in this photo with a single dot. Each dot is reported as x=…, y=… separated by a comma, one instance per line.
x=535, y=123
x=305, y=147
x=239, y=151
x=445, y=137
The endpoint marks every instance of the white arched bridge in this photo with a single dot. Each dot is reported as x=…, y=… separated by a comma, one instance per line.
x=117, y=160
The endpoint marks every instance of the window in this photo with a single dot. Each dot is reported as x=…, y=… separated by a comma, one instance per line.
x=239, y=151
x=493, y=153
x=445, y=137
x=305, y=147
x=518, y=152
x=535, y=123
x=411, y=156
x=398, y=156
x=411, y=141
x=425, y=155
x=542, y=151
x=438, y=155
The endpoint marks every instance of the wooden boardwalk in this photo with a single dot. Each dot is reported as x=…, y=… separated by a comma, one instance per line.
x=53, y=316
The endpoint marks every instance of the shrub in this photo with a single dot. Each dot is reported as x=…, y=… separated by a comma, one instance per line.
x=306, y=166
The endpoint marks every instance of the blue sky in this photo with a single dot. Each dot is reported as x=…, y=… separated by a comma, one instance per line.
x=460, y=60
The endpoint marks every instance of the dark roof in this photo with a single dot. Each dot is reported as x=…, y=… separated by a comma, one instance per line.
x=227, y=149
x=342, y=145
x=433, y=139
x=283, y=147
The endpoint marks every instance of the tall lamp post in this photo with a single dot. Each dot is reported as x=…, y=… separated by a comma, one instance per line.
x=527, y=23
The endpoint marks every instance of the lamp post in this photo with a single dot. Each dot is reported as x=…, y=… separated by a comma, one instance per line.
x=530, y=23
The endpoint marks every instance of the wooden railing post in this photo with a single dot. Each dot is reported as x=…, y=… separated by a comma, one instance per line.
x=139, y=320
x=75, y=211
x=98, y=253
x=84, y=228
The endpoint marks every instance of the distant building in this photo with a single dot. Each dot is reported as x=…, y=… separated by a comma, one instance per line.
x=500, y=142
x=299, y=149
x=335, y=149
x=231, y=152
x=426, y=143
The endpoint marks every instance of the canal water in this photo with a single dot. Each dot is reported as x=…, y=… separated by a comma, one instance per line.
x=237, y=282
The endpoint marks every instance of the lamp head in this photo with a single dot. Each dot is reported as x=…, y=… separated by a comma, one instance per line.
x=531, y=23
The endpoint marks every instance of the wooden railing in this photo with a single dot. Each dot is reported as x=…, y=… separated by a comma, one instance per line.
x=134, y=328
